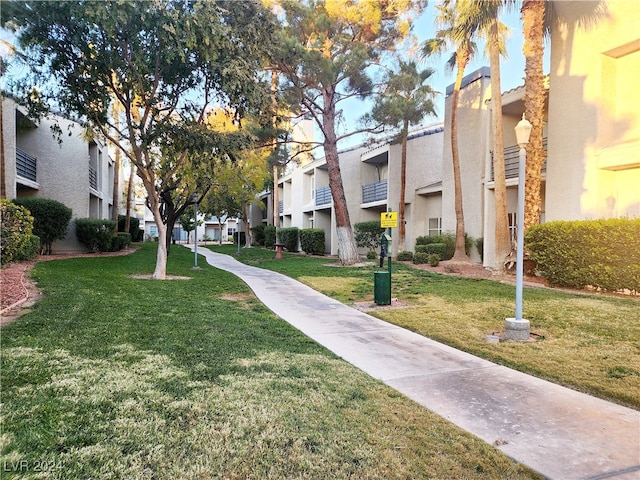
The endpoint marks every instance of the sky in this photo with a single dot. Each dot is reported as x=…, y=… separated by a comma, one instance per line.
x=511, y=67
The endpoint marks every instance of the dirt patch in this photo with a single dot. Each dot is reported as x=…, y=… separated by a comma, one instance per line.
x=235, y=297
x=149, y=276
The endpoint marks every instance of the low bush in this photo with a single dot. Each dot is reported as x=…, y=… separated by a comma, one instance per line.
x=449, y=239
x=479, y=242
x=137, y=234
x=602, y=253
x=421, y=257
x=119, y=241
x=371, y=255
x=367, y=234
x=16, y=227
x=312, y=241
x=95, y=233
x=50, y=219
x=30, y=250
x=242, y=238
x=405, y=256
x=269, y=236
x=439, y=249
x=289, y=237
x=258, y=234
x=433, y=259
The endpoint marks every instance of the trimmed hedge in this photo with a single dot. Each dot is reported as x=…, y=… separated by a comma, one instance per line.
x=243, y=240
x=312, y=241
x=449, y=239
x=602, y=253
x=30, y=250
x=16, y=227
x=439, y=249
x=269, y=236
x=50, y=219
x=137, y=234
x=119, y=241
x=289, y=237
x=258, y=234
x=404, y=256
x=421, y=257
x=95, y=234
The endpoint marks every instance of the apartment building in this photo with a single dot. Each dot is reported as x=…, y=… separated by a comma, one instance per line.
x=592, y=139
x=74, y=171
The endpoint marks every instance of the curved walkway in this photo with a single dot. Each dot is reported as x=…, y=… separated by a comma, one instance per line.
x=560, y=433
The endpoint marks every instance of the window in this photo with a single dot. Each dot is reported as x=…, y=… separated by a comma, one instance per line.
x=153, y=231
x=435, y=226
x=513, y=226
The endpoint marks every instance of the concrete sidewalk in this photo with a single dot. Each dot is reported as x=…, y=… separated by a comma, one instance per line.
x=558, y=432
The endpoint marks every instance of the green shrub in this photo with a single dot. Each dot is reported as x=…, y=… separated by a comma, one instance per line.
x=312, y=241
x=405, y=256
x=421, y=257
x=16, y=227
x=119, y=241
x=137, y=234
x=371, y=255
x=439, y=249
x=95, y=233
x=269, y=236
x=30, y=250
x=601, y=253
x=449, y=239
x=367, y=234
x=258, y=234
x=50, y=219
x=289, y=237
x=433, y=259
x=243, y=240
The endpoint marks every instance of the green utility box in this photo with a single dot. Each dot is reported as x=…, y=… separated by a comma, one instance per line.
x=382, y=288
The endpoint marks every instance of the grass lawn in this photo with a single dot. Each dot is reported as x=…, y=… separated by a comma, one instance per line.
x=113, y=377
x=590, y=343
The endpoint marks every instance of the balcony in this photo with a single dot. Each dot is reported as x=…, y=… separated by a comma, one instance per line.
x=280, y=207
x=511, y=160
x=26, y=165
x=374, y=192
x=323, y=196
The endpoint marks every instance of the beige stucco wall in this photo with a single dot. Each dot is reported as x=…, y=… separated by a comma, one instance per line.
x=472, y=118
x=62, y=169
x=594, y=114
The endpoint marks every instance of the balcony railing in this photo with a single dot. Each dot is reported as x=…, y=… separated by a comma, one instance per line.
x=512, y=159
x=26, y=165
x=323, y=196
x=374, y=192
x=93, y=177
x=281, y=206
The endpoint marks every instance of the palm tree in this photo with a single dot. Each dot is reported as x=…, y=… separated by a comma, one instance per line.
x=406, y=100
x=483, y=17
x=533, y=20
x=456, y=34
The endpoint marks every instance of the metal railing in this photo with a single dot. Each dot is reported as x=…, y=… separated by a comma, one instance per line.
x=512, y=159
x=26, y=165
x=374, y=192
x=323, y=196
x=281, y=206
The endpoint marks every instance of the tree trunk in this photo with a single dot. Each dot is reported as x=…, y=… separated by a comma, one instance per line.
x=402, y=231
x=276, y=202
x=246, y=227
x=127, y=220
x=347, y=248
x=502, y=244
x=160, y=272
x=533, y=13
x=3, y=179
x=116, y=188
x=460, y=253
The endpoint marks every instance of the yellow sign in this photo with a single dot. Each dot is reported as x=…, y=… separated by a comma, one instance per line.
x=389, y=220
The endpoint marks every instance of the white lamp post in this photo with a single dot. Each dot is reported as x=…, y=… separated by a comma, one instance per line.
x=517, y=328
x=194, y=197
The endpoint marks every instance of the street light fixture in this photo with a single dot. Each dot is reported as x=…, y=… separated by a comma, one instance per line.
x=517, y=328
x=194, y=198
